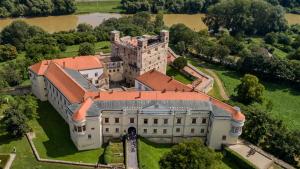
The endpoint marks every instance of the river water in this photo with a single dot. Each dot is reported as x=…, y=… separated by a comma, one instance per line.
x=68, y=22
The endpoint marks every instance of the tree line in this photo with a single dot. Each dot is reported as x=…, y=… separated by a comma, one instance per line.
x=192, y=6
x=21, y=39
x=13, y=8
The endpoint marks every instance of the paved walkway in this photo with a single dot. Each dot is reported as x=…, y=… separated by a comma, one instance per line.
x=131, y=160
x=219, y=83
x=10, y=161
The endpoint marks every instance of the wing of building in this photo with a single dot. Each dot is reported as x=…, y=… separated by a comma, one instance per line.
x=160, y=109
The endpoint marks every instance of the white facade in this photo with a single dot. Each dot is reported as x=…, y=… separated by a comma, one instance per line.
x=93, y=75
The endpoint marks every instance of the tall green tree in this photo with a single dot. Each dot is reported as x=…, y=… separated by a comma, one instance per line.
x=86, y=49
x=15, y=122
x=250, y=90
x=18, y=32
x=180, y=62
x=7, y=52
x=246, y=16
x=190, y=154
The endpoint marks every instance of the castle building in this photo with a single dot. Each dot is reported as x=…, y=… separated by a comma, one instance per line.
x=160, y=109
x=140, y=54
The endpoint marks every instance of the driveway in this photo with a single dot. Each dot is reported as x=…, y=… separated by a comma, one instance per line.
x=131, y=160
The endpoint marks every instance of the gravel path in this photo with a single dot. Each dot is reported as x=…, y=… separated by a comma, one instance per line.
x=219, y=83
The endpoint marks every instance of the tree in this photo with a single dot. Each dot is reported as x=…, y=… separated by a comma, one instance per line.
x=42, y=47
x=180, y=62
x=270, y=38
x=11, y=74
x=83, y=27
x=7, y=52
x=250, y=89
x=27, y=105
x=295, y=55
x=15, y=122
x=221, y=52
x=86, y=49
x=159, y=22
x=246, y=16
x=18, y=32
x=233, y=44
x=190, y=154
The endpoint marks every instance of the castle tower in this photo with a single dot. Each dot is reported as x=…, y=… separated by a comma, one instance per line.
x=114, y=36
x=164, y=36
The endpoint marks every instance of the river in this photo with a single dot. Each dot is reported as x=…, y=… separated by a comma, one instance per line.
x=68, y=22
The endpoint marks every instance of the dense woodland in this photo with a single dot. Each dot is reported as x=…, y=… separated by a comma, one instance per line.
x=192, y=6
x=15, y=8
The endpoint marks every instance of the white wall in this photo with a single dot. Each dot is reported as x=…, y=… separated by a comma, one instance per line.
x=92, y=74
x=38, y=86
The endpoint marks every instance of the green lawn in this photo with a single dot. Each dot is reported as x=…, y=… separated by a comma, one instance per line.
x=149, y=154
x=179, y=76
x=53, y=139
x=103, y=46
x=105, y=6
x=25, y=158
x=286, y=100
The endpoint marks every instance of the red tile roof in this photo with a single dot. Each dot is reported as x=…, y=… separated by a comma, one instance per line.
x=236, y=115
x=65, y=84
x=80, y=114
x=75, y=63
x=158, y=81
x=150, y=95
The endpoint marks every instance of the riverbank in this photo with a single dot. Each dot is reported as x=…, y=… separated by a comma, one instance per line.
x=111, y=6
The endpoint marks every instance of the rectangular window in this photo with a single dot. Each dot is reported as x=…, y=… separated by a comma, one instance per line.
x=89, y=136
x=223, y=137
x=116, y=120
x=83, y=128
x=165, y=121
x=96, y=81
x=145, y=121
x=131, y=120
x=202, y=131
x=93, y=128
x=79, y=129
x=203, y=120
x=106, y=130
x=177, y=130
x=106, y=120
x=164, y=131
x=117, y=130
x=155, y=121
x=192, y=131
x=178, y=120
x=75, y=128
x=96, y=74
x=154, y=131
x=145, y=131
x=194, y=120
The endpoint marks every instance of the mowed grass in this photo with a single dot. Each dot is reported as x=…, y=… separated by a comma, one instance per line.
x=178, y=75
x=285, y=99
x=106, y=6
x=150, y=153
x=24, y=156
x=103, y=46
x=53, y=139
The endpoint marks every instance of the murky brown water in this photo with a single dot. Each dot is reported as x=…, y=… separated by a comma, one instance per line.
x=67, y=22
x=62, y=23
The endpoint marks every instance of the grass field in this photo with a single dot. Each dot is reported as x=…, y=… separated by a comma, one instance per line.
x=103, y=46
x=286, y=100
x=24, y=156
x=149, y=154
x=179, y=76
x=53, y=139
x=106, y=6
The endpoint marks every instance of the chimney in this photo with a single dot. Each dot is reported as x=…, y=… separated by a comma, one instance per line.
x=164, y=91
x=140, y=95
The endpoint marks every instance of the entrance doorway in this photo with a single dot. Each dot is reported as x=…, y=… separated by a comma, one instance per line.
x=132, y=133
